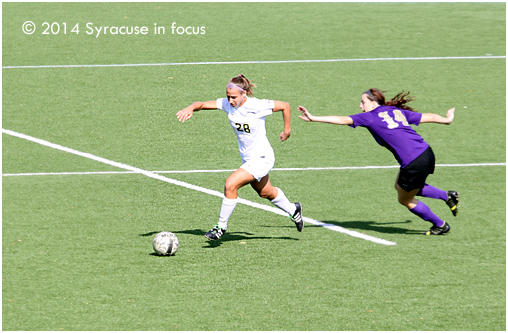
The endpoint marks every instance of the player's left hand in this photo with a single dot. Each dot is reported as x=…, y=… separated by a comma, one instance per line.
x=450, y=115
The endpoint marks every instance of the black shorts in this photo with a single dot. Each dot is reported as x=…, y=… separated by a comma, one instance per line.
x=415, y=174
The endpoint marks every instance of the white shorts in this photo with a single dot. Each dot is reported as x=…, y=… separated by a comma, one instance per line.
x=259, y=167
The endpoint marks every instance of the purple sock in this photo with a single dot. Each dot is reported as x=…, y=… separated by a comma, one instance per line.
x=423, y=211
x=432, y=192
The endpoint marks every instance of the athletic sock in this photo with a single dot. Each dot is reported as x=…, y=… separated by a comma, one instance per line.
x=227, y=208
x=423, y=211
x=283, y=203
x=429, y=191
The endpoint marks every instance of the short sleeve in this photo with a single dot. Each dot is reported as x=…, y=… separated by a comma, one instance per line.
x=220, y=104
x=266, y=107
x=258, y=107
x=361, y=119
x=413, y=118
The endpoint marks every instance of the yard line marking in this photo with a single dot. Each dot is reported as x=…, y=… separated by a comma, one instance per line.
x=67, y=173
x=193, y=187
x=231, y=170
x=254, y=62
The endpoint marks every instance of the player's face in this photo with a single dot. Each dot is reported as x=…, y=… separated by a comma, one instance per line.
x=236, y=97
x=366, y=104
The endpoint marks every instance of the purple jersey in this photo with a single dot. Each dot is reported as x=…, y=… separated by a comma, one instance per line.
x=391, y=129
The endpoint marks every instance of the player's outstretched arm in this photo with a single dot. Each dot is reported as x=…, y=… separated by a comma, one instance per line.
x=186, y=114
x=337, y=120
x=286, y=115
x=435, y=118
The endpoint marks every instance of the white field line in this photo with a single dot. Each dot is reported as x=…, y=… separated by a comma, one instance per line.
x=193, y=187
x=231, y=170
x=254, y=62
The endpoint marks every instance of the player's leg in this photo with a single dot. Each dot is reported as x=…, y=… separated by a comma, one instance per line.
x=410, y=180
x=234, y=182
x=450, y=197
x=417, y=172
x=429, y=191
x=406, y=197
x=265, y=189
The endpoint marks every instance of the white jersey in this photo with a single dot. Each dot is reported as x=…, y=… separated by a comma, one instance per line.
x=248, y=122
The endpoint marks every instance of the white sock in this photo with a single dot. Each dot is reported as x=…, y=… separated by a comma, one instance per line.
x=227, y=208
x=283, y=203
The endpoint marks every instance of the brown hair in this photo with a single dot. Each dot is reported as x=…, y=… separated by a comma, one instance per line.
x=399, y=101
x=243, y=83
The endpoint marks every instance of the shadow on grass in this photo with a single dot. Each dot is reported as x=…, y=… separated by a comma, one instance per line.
x=227, y=237
x=381, y=227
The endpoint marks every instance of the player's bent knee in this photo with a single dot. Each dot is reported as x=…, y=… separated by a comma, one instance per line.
x=404, y=202
x=230, y=188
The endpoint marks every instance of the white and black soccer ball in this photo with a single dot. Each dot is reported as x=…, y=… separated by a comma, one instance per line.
x=165, y=243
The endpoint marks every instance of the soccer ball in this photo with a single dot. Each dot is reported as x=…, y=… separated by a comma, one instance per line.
x=165, y=243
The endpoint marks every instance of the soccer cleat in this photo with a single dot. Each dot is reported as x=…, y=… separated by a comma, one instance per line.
x=215, y=233
x=297, y=217
x=438, y=230
x=453, y=202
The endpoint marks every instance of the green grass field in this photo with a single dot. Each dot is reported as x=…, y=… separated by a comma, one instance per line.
x=76, y=247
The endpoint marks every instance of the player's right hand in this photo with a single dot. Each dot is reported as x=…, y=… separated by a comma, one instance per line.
x=184, y=114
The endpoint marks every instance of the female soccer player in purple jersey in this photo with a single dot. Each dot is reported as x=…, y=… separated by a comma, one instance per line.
x=389, y=123
x=247, y=118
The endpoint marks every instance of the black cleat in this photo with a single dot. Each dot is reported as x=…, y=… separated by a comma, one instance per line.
x=215, y=233
x=438, y=230
x=297, y=217
x=453, y=202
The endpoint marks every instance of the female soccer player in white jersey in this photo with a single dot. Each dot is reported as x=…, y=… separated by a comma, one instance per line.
x=247, y=117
